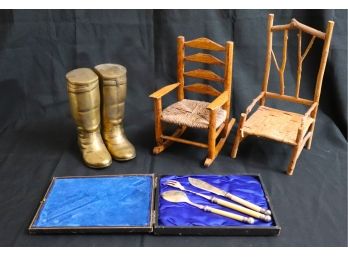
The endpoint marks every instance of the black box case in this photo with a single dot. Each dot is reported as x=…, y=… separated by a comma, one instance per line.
x=154, y=227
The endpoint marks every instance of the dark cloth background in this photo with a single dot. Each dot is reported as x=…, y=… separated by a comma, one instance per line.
x=38, y=137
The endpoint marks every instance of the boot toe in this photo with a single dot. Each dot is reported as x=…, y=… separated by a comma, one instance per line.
x=122, y=152
x=98, y=159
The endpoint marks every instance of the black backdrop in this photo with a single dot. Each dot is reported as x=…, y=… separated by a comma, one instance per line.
x=38, y=138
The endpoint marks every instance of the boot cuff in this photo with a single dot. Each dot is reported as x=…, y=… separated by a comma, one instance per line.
x=81, y=80
x=111, y=71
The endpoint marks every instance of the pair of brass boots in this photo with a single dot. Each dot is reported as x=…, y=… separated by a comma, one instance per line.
x=85, y=99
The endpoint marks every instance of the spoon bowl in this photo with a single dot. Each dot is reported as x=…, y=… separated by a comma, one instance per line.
x=175, y=196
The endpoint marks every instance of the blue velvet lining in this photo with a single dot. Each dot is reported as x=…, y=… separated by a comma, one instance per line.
x=182, y=214
x=97, y=202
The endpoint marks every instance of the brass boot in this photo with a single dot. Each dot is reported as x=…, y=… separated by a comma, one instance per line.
x=84, y=98
x=113, y=81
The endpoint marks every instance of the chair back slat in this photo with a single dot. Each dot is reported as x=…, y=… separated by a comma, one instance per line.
x=204, y=43
x=202, y=89
x=204, y=74
x=288, y=98
x=307, y=29
x=294, y=24
x=204, y=58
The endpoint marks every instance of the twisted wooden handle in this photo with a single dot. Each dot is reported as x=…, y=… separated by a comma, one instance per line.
x=241, y=209
x=229, y=215
x=248, y=204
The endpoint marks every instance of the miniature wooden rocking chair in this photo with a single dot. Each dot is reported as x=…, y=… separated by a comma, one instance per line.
x=185, y=113
x=286, y=127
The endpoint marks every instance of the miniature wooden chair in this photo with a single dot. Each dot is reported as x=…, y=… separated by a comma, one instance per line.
x=186, y=113
x=287, y=127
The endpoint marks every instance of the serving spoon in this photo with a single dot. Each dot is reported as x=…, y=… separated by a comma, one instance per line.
x=176, y=196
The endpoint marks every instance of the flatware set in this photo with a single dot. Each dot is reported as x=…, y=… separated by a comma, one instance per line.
x=248, y=208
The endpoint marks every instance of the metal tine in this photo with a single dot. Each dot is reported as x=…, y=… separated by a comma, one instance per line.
x=175, y=183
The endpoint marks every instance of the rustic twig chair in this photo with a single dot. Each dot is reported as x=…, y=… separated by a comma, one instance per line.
x=186, y=113
x=287, y=127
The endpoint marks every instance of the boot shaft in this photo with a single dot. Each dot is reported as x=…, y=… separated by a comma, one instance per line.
x=113, y=82
x=84, y=98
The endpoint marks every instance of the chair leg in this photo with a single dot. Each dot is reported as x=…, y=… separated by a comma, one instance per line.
x=211, y=148
x=159, y=142
x=211, y=153
x=293, y=160
x=165, y=144
x=296, y=151
x=208, y=161
x=158, y=126
x=211, y=139
x=235, y=147
x=217, y=147
x=237, y=141
x=309, y=141
x=238, y=138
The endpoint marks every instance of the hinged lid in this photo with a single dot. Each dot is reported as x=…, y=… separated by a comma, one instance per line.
x=121, y=203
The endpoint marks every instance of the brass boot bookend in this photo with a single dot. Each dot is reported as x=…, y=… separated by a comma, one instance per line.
x=84, y=98
x=113, y=81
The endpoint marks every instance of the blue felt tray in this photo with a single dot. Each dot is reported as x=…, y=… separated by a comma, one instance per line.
x=96, y=203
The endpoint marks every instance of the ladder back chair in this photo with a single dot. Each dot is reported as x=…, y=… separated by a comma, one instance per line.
x=287, y=127
x=187, y=113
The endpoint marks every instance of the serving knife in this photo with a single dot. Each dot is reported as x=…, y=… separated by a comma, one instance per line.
x=210, y=188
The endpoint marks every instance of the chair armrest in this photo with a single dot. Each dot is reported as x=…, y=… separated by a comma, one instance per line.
x=310, y=110
x=251, y=106
x=218, y=101
x=301, y=132
x=308, y=113
x=163, y=91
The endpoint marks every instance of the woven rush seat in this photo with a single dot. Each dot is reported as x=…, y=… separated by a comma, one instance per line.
x=275, y=124
x=191, y=113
